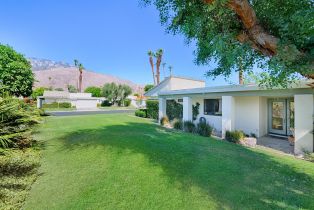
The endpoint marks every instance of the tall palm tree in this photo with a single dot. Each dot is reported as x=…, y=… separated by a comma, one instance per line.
x=80, y=68
x=151, y=61
x=159, y=54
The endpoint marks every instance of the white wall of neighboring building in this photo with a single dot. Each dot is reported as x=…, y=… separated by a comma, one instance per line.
x=80, y=95
x=85, y=103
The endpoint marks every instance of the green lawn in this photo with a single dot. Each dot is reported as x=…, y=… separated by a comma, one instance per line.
x=124, y=162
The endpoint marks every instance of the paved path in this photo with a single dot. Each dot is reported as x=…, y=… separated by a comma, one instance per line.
x=73, y=113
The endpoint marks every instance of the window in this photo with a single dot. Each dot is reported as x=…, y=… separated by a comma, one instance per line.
x=212, y=107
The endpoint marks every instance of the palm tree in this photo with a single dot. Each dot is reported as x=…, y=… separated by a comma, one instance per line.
x=80, y=68
x=163, y=69
x=151, y=61
x=158, y=55
x=170, y=70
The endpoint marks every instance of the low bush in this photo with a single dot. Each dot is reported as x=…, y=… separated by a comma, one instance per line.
x=164, y=120
x=189, y=126
x=18, y=171
x=152, y=109
x=106, y=103
x=127, y=102
x=204, y=129
x=178, y=124
x=234, y=136
x=140, y=113
x=58, y=105
x=16, y=122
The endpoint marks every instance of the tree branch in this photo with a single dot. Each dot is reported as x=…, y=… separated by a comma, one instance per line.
x=260, y=39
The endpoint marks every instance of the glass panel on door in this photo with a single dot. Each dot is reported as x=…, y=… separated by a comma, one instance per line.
x=278, y=117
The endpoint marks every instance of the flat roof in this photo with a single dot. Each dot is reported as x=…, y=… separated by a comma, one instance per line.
x=229, y=88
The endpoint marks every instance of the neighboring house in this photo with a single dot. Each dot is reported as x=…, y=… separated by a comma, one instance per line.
x=78, y=100
x=174, y=83
x=137, y=102
x=248, y=108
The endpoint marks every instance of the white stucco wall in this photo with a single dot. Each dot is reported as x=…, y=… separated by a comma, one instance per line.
x=263, y=116
x=181, y=83
x=214, y=121
x=304, y=111
x=85, y=103
x=247, y=114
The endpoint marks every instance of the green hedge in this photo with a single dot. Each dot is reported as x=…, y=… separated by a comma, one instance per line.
x=152, y=109
x=58, y=105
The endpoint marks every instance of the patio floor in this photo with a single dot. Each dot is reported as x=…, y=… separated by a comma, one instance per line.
x=276, y=144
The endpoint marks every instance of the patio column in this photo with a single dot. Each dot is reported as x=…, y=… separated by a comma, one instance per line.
x=228, y=114
x=162, y=108
x=303, y=123
x=187, y=109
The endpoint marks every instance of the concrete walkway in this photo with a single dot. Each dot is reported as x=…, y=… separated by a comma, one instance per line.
x=87, y=112
x=278, y=144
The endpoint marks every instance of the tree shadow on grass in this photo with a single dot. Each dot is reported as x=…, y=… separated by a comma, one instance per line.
x=236, y=177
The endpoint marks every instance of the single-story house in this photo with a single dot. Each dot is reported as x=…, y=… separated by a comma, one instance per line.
x=255, y=110
x=78, y=100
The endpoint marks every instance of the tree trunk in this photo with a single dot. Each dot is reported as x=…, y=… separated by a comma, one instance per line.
x=254, y=32
x=80, y=81
x=152, y=66
x=158, y=68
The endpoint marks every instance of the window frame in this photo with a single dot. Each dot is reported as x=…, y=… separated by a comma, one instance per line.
x=214, y=113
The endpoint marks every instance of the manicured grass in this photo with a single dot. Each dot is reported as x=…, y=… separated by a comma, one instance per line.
x=124, y=162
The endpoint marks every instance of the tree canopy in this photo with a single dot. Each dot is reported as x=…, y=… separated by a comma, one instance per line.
x=148, y=87
x=95, y=91
x=276, y=36
x=115, y=93
x=16, y=76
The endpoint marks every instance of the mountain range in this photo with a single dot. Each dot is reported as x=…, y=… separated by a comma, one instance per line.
x=52, y=74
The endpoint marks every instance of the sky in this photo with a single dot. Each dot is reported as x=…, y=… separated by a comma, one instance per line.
x=111, y=37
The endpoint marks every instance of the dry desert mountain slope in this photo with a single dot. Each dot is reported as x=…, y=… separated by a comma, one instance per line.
x=60, y=75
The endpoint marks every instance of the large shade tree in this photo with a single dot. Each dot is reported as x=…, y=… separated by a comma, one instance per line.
x=16, y=76
x=276, y=36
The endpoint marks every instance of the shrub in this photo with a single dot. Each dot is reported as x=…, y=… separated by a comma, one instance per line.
x=178, y=124
x=204, y=129
x=58, y=105
x=164, y=120
x=140, y=113
x=174, y=109
x=234, y=136
x=195, y=110
x=16, y=122
x=95, y=91
x=189, y=126
x=127, y=102
x=106, y=103
x=152, y=109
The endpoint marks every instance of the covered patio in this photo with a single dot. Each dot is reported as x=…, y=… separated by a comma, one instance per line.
x=257, y=112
